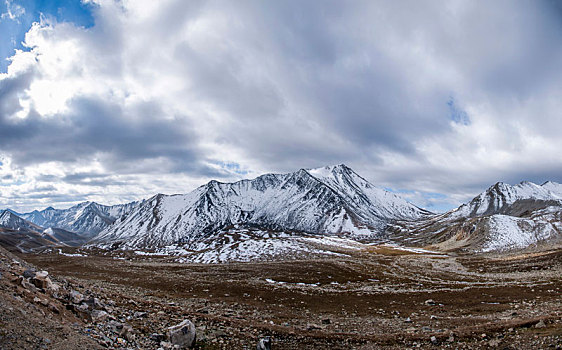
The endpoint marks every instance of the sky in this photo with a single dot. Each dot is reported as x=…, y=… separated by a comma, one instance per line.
x=114, y=101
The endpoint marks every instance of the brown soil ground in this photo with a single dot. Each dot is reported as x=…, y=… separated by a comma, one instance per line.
x=369, y=300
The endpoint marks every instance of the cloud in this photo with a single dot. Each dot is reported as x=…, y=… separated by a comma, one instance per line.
x=438, y=100
x=13, y=11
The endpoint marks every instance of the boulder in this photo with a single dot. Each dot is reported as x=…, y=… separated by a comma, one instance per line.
x=76, y=297
x=182, y=335
x=25, y=284
x=53, y=287
x=264, y=344
x=99, y=315
x=42, y=281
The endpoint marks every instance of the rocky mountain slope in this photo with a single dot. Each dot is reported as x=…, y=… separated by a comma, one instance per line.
x=87, y=218
x=24, y=236
x=10, y=220
x=329, y=201
x=501, y=218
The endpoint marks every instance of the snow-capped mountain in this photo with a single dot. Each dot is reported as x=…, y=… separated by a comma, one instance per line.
x=500, y=197
x=87, y=218
x=501, y=218
x=329, y=201
x=11, y=221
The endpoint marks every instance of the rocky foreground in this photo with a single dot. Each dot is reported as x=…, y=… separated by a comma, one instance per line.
x=382, y=298
x=43, y=312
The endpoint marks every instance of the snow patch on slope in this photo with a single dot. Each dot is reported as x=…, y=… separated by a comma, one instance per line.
x=508, y=232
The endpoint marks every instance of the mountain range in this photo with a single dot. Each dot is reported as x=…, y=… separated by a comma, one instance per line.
x=501, y=218
x=87, y=218
x=331, y=201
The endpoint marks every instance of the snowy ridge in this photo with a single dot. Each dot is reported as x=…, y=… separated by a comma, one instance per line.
x=501, y=195
x=508, y=232
x=11, y=221
x=330, y=200
x=503, y=217
x=87, y=218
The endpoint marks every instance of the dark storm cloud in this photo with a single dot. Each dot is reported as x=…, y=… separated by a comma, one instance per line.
x=96, y=129
x=301, y=84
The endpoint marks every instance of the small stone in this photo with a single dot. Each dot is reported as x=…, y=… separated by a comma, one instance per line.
x=166, y=345
x=483, y=335
x=127, y=332
x=433, y=339
x=29, y=273
x=41, y=274
x=115, y=326
x=54, y=308
x=97, y=303
x=326, y=321
x=139, y=314
x=76, y=297
x=264, y=344
x=312, y=327
x=540, y=324
x=157, y=337
x=408, y=320
x=99, y=315
x=430, y=302
x=183, y=334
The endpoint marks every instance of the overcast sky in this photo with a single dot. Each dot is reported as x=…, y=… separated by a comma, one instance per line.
x=117, y=101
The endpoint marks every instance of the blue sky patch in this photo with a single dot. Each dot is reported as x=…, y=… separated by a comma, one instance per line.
x=17, y=16
x=457, y=115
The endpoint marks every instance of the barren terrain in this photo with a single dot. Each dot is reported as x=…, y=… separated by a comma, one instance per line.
x=377, y=298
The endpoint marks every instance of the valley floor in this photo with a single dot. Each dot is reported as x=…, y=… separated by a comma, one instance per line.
x=370, y=299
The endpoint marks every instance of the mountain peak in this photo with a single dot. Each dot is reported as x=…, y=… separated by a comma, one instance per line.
x=328, y=200
x=501, y=195
x=329, y=171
